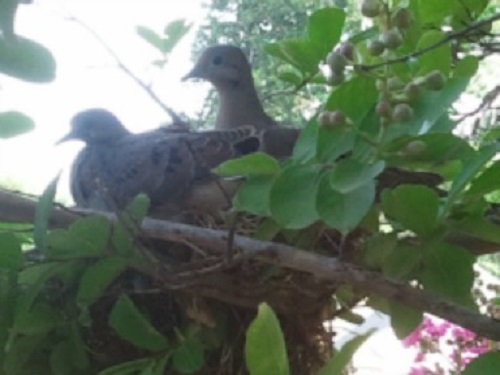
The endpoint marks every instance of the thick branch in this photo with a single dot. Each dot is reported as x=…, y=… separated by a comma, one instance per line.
x=17, y=208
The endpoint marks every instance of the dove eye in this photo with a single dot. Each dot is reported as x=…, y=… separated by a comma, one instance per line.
x=217, y=60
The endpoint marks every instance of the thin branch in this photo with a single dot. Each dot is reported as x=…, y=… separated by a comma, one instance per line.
x=324, y=268
x=127, y=71
x=449, y=37
x=488, y=99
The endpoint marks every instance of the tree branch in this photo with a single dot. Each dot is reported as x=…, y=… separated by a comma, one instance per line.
x=127, y=71
x=20, y=209
x=449, y=37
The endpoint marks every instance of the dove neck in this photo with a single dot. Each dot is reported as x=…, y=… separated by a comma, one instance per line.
x=240, y=105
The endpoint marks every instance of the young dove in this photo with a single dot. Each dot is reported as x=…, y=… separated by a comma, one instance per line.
x=227, y=68
x=116, y=165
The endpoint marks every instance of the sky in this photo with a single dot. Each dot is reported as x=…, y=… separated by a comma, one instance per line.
x=87, y=76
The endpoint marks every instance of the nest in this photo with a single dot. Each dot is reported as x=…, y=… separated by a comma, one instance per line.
x=194, y=286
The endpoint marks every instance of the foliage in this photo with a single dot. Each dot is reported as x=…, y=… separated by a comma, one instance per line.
x=251, y=25
x=387, y=105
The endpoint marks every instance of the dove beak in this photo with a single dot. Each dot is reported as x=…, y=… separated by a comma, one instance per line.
x=67, y=137
x=194, y=73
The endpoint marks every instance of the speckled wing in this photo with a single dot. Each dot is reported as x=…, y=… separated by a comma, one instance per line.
x=166, y=168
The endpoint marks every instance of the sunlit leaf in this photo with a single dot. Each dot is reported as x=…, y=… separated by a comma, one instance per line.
x=42, y=214
x=293, y=196
x=448, y=272
x=27, y=60
x=130, y=324
x=14, y=123
x=248, y=165
x=97, y=278
x=188, y=357
x=415, y=207
x=324, y=28
x=265, y=351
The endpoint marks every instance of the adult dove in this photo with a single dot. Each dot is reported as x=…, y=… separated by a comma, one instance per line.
x=169, y=166
x=227, y=68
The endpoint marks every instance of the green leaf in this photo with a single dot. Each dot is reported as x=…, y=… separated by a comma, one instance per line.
x=85, y=238
x=174, y=32
x=249, y=165
x=466, y=67
x=8, y=295
x=11, y=255
x=8, y=10
x=439, y=148
x=188, y=357
x=128, y=227
x=485, y=364
x=254, y=195
x=27, y=60
x=401, y=262
x=305, y=147
x=13, y=123
x=332, y=143
x=300, y=53
x=20, y=353
x=64, y=357
x=324, y=28
x=404, y=320
x=151, y=37
x=42, y=214
x=40, y=319
x=349, y=174
x=344, y=211
x=337, y=364
x=434, y=11
x=293, y=196
x=470, y=168
x=127, y=368
x=485, y=183
x=448, y=272
x=131, y=325
x=415, y=207
x=437, y=58
x=378, y=248
x=97, y=278
x=360, y=87
x=265, y=351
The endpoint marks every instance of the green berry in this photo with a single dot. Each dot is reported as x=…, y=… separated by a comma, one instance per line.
x=375, y=47
x=336, y=62
x=401, y=18
x=337, y=118
x=370, y=8
x=346, y=49
x=383, y=109
x=324, y=118
x=336, y=79
x=415, y=148
x=392, y=39
x=412, y=91
x=434, y=80
x=402, y=112
x=394, y=83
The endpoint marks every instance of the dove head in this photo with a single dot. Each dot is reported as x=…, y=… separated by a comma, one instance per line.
x=95, y=126
x=224, y=66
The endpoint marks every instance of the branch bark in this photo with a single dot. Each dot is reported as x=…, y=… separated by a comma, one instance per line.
x=15, y=208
